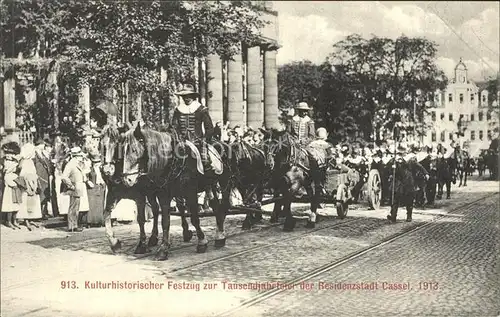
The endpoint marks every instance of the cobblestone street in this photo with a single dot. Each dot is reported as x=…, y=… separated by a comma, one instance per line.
x=450, y=266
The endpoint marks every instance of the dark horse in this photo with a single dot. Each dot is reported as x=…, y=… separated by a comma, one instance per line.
x=171, y=166
x=249, y=172
x=292, y=169
x=112, y=170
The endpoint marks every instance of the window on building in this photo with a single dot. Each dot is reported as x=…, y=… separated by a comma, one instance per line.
x=472, y=117
x=480, y=116
x=442, y=116
x=450, y=98
x=484, y=98
x=433, y=136
x=450, y=117
x=472, y=135
x=471, y=97
x=443, y=136
x=433, y=116
x=450, y=136
x=436, y=97
x=461, y=117
x=481, y=135
x=488, y=115
x=489, y=135
x=461, y=98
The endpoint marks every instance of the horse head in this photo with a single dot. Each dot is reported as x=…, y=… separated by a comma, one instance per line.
x=278, y=147
x=108, y=146
x=145, y=152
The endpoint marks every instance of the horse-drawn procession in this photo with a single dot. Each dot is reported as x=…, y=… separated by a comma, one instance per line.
x=203, y=172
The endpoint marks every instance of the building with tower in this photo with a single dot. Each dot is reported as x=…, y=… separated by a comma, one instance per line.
x=463, y=112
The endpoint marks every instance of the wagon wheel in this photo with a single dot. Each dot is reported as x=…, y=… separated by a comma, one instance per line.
x=341, y=199
x=374, y=189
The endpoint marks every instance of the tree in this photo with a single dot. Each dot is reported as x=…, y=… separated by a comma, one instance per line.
x=110, y=43
x=386, y=75
x=297, y=82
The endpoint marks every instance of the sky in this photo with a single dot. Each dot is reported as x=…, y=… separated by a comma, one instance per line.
x=467, y=30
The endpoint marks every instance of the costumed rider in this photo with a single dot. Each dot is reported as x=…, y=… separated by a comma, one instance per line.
x=192, y=122
x=321, y=150
x=301, y=125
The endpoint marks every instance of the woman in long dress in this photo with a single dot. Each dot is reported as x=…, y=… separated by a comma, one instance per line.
x=11, y=196
x=96, y=194
x=30, y=207
x=60, y=203
x=84, y=199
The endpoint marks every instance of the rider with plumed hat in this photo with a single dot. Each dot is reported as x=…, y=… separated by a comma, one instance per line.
x=191, y=120
x=302, y=126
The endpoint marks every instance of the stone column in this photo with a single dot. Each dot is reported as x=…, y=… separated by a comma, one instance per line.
x=84, y=102
x=138, y=106
x=235, y=92
x=255, y=115
x=214, y=88
x=111, y=97
x=9, y=107
x=202, y=81
x=271, y=112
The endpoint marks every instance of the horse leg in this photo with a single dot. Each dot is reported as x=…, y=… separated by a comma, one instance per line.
x=155, y=208
x=313, y=192
x=192, y=206
x=440, y=190
x=448, y=189
x=260, y=196
x=141, y=220
x=247, y=223
x=187, y=234
x=164, y=199
x=465, y=180
x=277, y=208
x=111, y=201
x=220, y=217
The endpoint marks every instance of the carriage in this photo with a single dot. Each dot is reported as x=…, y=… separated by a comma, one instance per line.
x=344, y=188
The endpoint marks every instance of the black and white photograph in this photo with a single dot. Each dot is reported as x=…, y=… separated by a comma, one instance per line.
x=249, y=158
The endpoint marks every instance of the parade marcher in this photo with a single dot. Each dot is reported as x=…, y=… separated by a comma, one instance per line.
x=302, y=126
x=401, y=186
x=12, y=195
x=83, y=211
x=192, y=122
x=30, y=208
x=321, y=151
x=74, y=179
x=96, y=193
x=44, y=170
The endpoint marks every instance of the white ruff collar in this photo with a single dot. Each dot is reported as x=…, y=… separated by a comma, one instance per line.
x=297, y=118
x=191, y=108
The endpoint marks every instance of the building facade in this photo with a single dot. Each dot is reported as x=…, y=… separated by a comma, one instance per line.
x=462, y=113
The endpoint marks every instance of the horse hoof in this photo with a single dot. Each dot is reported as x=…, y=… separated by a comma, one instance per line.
x=246, y=225
x=287, y=229
x=448, y=197
x=141, y=249
x=162, y=255
x=201, y=248
x=187, y=235
x=273, y=220
x=310, y=225
x=116, y=246
x=220, y=243
x=153, y=241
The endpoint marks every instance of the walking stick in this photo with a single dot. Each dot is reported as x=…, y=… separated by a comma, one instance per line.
x=394, y=165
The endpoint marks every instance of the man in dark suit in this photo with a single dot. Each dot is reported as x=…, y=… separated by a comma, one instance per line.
x=44, y=170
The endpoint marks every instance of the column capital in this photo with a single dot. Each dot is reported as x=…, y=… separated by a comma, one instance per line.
x=270, y=46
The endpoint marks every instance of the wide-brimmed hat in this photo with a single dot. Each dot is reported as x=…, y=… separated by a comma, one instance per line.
x=186, y=90
x=302, y=106
x=76, y=151
x=11, y=148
